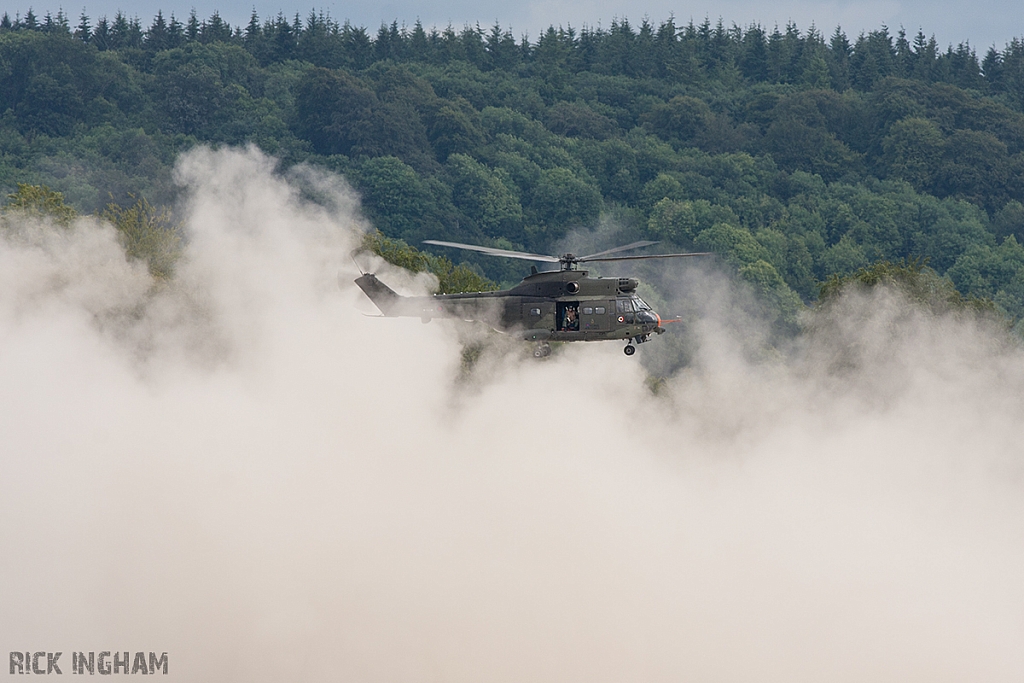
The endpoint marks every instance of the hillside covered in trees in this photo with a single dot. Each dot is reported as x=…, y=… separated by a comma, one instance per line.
x=794, y=155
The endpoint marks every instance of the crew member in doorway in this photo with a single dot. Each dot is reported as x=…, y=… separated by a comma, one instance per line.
x=571, y=321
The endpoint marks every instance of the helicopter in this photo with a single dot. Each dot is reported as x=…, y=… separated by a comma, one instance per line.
x=563, y=305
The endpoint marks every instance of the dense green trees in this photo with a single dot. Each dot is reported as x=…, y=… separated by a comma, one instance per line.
x=39, y=201
x=146, y=233
x=920, y=284
x=796, y=157
x=399, y=201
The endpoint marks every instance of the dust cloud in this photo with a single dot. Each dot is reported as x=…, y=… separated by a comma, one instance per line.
x=245, y=471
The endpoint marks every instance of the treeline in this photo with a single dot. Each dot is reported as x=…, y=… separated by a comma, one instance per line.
x=795, y=157
x=665, y=51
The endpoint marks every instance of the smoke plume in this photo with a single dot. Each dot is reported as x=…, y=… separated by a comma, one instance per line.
x=244, y=470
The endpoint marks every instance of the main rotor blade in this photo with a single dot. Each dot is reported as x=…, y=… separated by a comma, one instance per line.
x=634, y=245
x=491, y=251
x=634, y=258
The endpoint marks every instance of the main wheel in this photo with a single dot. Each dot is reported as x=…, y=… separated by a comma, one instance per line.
x=629, y=350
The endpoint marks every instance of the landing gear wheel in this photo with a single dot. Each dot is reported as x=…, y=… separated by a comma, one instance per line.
x=629, y=350
x=541, y=351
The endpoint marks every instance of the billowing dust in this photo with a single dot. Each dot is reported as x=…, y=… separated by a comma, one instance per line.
x=244, y=470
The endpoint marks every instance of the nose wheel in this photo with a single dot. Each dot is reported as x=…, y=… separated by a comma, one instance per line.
x=629, y=350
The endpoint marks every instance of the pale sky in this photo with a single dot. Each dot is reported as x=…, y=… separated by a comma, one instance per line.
x=986, y=23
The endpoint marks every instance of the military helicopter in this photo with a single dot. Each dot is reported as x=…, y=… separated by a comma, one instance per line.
x=547, y=306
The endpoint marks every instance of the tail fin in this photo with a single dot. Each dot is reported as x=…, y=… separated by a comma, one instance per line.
x=385, y=298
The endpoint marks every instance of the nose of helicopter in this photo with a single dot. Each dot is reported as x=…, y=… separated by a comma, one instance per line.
x=650, y=320
x=649, y=317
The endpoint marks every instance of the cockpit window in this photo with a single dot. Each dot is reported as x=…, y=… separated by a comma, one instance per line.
x=640, y=304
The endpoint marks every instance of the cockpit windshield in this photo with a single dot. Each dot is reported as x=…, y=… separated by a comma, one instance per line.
x=633, y=310
x=640, y=304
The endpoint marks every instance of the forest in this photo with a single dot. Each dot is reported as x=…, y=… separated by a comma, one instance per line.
x=797, y=157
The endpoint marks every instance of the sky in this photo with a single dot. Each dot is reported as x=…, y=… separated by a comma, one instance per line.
x=983, y=24
x=241, y=468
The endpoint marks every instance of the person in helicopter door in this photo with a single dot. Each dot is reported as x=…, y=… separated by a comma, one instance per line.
x=572, y=323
